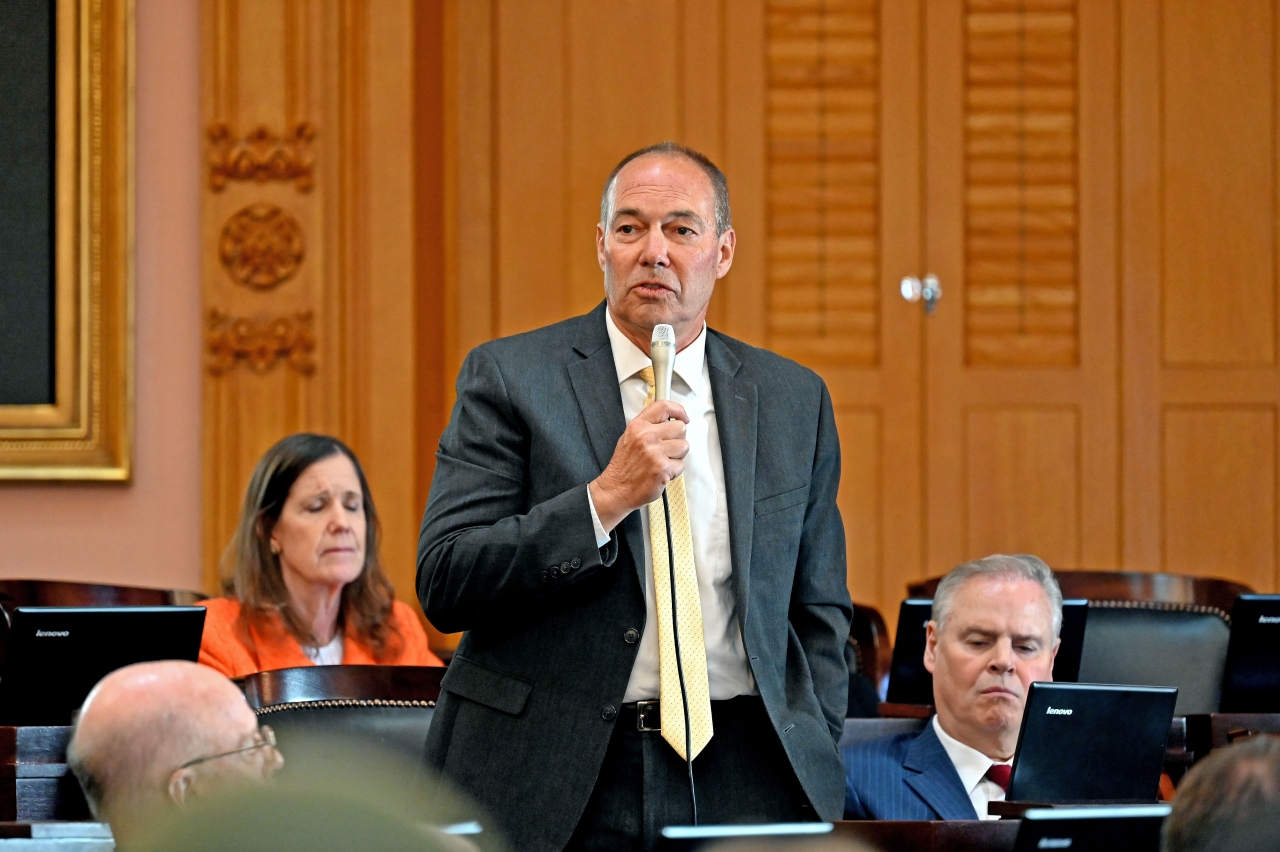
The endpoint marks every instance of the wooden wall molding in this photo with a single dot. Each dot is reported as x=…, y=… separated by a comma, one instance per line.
x=262, y=155
x=261, y=246
x=260, y=342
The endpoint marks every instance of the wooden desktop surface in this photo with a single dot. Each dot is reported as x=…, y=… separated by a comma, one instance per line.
x=949, y=836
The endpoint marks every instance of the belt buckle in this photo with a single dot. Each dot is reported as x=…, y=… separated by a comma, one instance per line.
x=642, y=711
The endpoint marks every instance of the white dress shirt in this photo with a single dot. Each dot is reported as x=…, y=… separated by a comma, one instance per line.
x=972, y=765
x=728, y=672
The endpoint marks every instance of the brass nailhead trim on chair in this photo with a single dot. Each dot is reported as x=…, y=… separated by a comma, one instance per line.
x=1162, y=606
x=342, y=702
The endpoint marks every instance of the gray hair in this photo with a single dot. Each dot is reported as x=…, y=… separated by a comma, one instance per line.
x=1020, y=566
x=719, y=183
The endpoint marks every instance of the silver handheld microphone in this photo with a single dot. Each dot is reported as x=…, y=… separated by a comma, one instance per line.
x=662, y=351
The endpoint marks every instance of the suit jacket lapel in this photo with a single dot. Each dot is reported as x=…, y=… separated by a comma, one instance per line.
x=737, y=412
x=931, y=774
x=595, y=384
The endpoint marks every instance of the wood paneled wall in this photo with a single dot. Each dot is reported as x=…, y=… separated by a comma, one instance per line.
x=1094, y=184
x=1098, y=383
x=1198, y=84
x=312, y=301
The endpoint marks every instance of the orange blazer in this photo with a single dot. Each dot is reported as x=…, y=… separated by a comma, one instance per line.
x=225, y=647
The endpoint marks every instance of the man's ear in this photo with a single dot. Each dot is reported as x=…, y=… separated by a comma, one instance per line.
x=600, y=244
x=181, y=785
x=726, y=244
x=930, y=646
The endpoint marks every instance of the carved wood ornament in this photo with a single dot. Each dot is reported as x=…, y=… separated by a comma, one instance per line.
x=261, y=246
x=259, y=341
x=261, y=156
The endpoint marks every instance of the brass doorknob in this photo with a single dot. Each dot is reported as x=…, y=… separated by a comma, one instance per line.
x=925, y=289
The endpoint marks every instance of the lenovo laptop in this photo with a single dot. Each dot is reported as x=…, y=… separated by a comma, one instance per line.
x=55, y=655
x=911, y=683
x=1251, y=683
x=1088, y=742
x=1119, y=828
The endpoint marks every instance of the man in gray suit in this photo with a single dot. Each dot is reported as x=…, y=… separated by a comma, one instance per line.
x=536, y=542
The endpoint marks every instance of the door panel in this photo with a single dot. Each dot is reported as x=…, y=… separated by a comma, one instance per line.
x=1021, y=352
x=1022, y=469
x=1220, y=491
x=843, y=219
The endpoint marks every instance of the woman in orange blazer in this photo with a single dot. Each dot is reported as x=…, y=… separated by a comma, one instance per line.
x=303, y=582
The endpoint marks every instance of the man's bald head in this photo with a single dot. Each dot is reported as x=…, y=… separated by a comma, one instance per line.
x=142, y=723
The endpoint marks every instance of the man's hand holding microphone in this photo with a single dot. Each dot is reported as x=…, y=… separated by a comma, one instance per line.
x=651, y=451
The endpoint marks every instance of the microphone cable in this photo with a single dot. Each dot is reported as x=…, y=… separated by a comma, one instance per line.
x=675, y=630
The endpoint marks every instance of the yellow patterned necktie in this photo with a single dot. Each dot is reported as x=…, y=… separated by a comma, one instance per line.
x=693, y=651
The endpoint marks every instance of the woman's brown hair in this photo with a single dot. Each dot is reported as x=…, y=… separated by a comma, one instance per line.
x=251, y=572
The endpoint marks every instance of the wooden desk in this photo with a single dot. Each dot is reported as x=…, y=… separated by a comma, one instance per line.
x=950, y=836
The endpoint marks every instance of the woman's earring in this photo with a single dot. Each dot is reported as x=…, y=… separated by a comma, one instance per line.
x=275, y=548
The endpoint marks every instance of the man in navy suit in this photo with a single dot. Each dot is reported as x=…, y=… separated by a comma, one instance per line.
x=994, y=631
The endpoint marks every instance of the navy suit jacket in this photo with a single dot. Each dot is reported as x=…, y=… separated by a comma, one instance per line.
x=908, y=776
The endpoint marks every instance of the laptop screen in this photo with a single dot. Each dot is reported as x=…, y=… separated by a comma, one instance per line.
x=55, y=655
x=1103, y=829
x=1251, y=683
x=911, y=683
x=1086, y=742
x=676, y=838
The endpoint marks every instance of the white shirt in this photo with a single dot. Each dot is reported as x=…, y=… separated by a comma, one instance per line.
x=972, y=765
x=728, y=672
x=326, y=655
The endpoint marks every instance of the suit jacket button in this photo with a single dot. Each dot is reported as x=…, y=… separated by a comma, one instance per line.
x=631, y=636
x=575, y=562
x=544, y=576
x=564, y=567
x=609, y=713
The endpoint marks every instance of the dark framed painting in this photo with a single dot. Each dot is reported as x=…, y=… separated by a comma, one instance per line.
x=66, y=239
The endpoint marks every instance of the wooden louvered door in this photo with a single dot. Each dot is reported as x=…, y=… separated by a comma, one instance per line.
x=1020, y=369
x=842, y=200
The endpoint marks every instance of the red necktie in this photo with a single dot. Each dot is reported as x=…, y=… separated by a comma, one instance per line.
x=999, y=773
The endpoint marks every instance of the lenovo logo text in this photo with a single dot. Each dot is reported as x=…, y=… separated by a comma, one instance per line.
x=52, y=633
x=1054, y=843
x=1058, y=711
x=1269, y=619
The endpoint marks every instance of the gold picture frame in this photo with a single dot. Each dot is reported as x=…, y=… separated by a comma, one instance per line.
x=87, y=433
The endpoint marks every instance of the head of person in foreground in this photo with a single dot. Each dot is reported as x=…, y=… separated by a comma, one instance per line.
x=1228, y=802
x=154, y=736
x=993, y=632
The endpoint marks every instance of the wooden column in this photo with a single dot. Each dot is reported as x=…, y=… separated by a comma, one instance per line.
x=309, y=238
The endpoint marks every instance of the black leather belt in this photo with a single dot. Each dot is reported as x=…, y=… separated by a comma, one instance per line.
x=640, y=716
x=646, y=716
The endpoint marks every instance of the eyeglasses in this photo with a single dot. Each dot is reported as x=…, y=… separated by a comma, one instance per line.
x=266, y=739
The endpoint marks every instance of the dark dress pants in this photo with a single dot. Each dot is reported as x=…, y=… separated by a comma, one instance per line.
x=742, y=776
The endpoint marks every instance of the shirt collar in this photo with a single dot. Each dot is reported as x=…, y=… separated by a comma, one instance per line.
x=971, y=765
x=629, y=359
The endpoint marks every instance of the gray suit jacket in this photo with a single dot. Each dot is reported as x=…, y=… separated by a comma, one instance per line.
x=508, y=554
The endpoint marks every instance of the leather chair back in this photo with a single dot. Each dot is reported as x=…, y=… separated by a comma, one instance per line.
x=1129, y=586
x=386, y=708
x=871, y=643
x=14, y=593
x=1158, y=644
